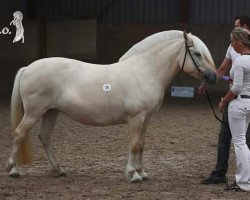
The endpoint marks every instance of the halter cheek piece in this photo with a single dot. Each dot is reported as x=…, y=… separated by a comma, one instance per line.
x=187, y=50
x=201, y=73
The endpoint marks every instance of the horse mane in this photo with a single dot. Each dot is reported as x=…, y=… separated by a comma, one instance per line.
x=151, y=40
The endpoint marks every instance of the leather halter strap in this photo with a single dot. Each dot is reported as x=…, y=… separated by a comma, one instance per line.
x=187, y=50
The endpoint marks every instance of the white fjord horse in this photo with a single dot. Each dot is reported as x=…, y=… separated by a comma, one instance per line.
x=129, y=91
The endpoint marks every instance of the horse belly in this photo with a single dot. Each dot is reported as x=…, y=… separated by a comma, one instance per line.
x=95, y=118
x=92, y=110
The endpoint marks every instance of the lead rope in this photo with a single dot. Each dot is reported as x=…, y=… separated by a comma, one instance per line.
x=211, y=105
x=208, y=97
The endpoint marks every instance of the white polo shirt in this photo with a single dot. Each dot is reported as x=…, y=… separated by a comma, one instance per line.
x=232, y=54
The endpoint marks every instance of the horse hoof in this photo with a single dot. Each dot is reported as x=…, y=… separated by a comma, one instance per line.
x=60, y=174
x=144, y=176
x=136, y=178
x=57, y=171
x=14, y=173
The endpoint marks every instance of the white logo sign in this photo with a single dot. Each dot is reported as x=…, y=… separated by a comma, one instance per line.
x=17, y=21
x=106, y=87
x=5, y=31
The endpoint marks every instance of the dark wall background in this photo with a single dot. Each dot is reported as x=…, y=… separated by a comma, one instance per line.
x=101, y=31
x=94, y=42
x=68, y=38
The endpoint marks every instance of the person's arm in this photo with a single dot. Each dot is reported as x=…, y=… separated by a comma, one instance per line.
x=226, y=100
x=224, y=68
x=235, y=89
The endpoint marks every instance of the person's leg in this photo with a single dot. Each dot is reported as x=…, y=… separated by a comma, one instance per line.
x=223, y=150
x=238, y=124
x=224, y=143
x=248, y=137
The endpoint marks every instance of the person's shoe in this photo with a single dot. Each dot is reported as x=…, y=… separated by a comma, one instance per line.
x=233, y=188
x=214, y=178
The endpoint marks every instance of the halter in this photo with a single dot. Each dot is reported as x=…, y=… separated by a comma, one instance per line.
x=202, y=75
x=195, y=64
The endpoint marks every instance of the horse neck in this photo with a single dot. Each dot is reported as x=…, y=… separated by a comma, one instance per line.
x=163, y=61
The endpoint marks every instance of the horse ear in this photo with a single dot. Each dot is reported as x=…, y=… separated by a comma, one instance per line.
x=188, y=40
x=185, y=35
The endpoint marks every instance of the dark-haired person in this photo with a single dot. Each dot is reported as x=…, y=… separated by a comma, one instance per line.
x=218, y=175
x=238, y=101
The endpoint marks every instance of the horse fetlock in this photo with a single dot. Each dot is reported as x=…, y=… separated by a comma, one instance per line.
x=130, y=171
x=9, y=165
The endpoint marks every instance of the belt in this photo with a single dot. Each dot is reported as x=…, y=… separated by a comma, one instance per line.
x=245, y=96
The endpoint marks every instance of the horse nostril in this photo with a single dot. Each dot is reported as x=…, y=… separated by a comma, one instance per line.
x=209, y=78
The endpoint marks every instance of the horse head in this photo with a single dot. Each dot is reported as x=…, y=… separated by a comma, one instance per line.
x=197, y=60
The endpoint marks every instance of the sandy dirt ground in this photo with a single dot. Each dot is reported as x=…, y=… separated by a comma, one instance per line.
x=180, y=150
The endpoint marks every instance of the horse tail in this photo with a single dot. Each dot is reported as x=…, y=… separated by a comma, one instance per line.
x=17, y=112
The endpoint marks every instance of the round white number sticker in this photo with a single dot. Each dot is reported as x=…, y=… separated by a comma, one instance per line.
x=106, y=87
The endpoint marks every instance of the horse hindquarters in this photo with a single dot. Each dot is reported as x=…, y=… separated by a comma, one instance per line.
x=21, y=149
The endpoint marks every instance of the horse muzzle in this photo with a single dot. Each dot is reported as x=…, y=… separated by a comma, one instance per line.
x=209, y=77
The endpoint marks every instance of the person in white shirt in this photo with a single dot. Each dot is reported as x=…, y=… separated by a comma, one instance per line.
x=238, y=98
x=218, y=175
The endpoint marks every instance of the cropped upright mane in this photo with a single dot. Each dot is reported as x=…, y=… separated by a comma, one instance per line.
x=151, y=40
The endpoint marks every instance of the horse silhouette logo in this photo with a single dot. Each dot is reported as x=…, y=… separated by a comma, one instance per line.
x=17, y=21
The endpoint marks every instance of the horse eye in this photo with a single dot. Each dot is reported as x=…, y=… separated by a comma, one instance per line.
x=197, y=54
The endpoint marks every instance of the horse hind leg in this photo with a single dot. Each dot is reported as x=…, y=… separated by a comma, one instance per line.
x=48, y=123
x=21, y=133
x=134, y=166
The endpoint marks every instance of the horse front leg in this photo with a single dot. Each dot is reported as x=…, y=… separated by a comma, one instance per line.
x=134, y=166
x=140, y=170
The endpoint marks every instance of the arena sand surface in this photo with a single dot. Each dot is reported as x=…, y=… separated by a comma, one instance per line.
x=180, y=150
